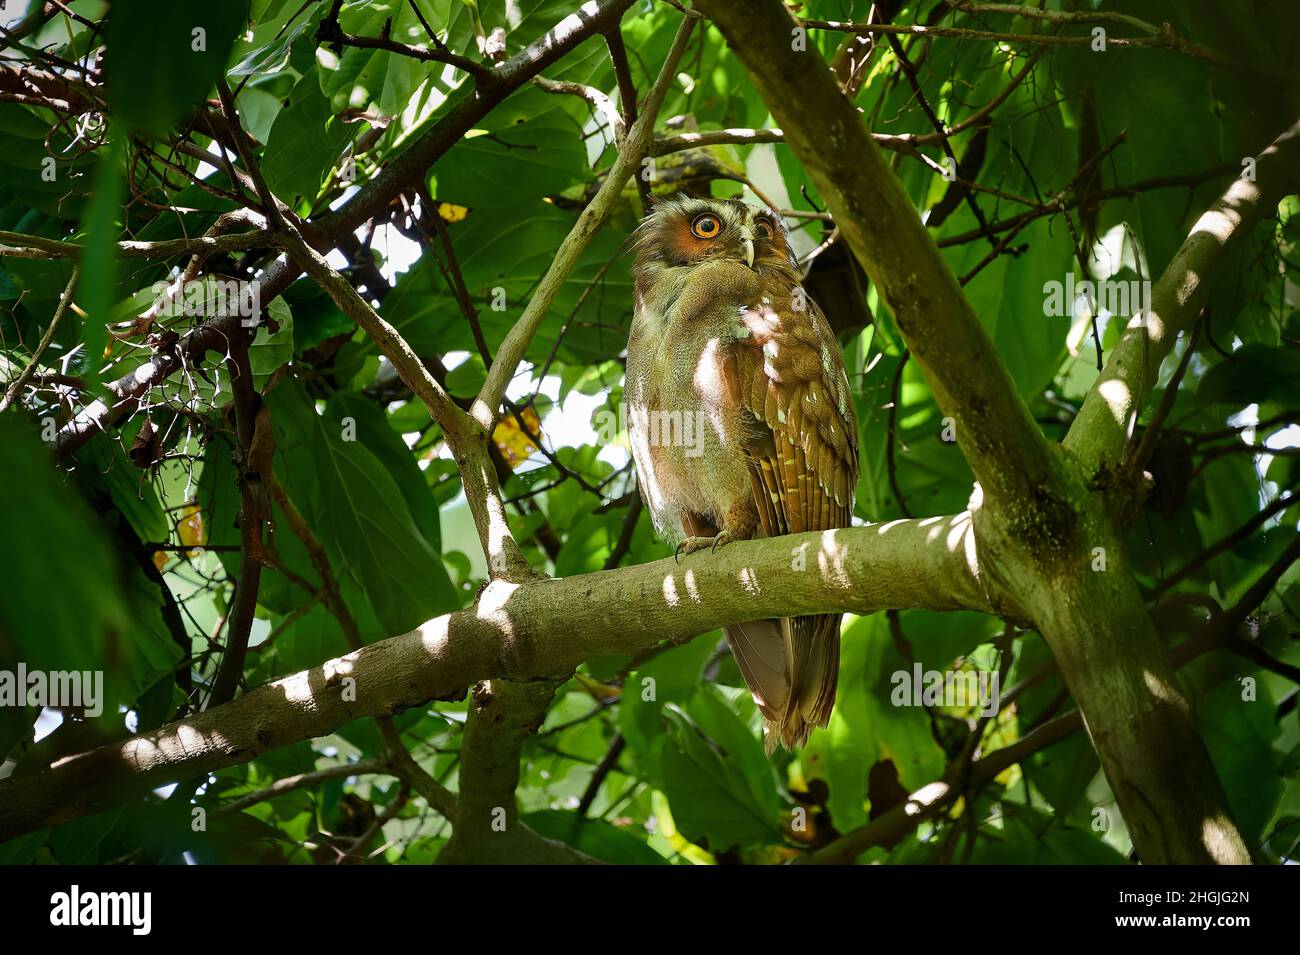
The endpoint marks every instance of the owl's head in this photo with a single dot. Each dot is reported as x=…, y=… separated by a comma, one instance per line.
x=685, y=231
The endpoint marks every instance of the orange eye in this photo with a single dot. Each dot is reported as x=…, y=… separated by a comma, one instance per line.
x=706, y=226
x=763, y=228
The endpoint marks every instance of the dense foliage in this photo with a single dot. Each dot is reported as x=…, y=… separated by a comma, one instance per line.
x=122, y=551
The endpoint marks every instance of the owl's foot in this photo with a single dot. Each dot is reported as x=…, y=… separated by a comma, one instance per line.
x=691, y=544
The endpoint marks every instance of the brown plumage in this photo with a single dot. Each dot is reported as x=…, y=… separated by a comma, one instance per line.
x=741, y=423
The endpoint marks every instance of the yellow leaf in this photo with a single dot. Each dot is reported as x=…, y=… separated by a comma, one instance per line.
x=514, y=444
x=451, y=213
x=190, y=529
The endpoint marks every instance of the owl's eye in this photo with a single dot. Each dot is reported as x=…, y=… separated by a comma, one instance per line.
x=763, y=228
x=706, y=226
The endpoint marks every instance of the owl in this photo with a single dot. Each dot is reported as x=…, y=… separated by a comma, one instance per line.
x=741, y=423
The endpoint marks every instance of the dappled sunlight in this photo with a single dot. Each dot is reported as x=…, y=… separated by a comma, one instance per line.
x=670, y=591
x=1116, y=394
x=435, y=633
x=303, y=687
x=1162, y=691
x=925, y=797
x=1218, y=835
x=1149, y=320
x=890, y=525
x=491, y=606
x=831, y=560
x=692, y=590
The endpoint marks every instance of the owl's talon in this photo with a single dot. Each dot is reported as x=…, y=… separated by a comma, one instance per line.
x=692, y=544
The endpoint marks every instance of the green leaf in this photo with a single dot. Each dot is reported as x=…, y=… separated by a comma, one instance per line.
x=164, y=58
x=274, y=56
x=63, y=607
x=304, y=143
x=711, y=796
x=373, y=430
x=595, y=837
x=1239, y=732
x=269, y=349
x=97, y=287
x=133, y=495
x=362, y=76
x=494, y=170
x=373, y=535
x=1254, y=373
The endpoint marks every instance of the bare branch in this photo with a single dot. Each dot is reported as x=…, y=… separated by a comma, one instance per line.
x=16, y=386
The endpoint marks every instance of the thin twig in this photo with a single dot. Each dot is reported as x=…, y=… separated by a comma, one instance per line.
x=16, y=386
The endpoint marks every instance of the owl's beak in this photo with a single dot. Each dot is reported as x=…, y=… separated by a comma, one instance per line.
x=749, y=251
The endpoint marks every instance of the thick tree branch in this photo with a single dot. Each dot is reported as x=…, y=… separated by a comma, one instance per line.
x=539, y=630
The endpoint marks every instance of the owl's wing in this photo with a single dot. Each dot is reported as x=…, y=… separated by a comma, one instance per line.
x=802, y=449
x=802, y=440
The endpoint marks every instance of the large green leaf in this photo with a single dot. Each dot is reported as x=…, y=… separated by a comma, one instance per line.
x=711, y=796
x=373, y=536
x=595, y=837
x=164, y=58
x=305, y=142
x=63, y=607
x=501, y=169
x=362, y=75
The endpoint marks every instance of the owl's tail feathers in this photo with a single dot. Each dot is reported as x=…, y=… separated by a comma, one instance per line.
x=791, y=667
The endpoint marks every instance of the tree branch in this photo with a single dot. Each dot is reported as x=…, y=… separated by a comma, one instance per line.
x=541, y=629
x=15, y=387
